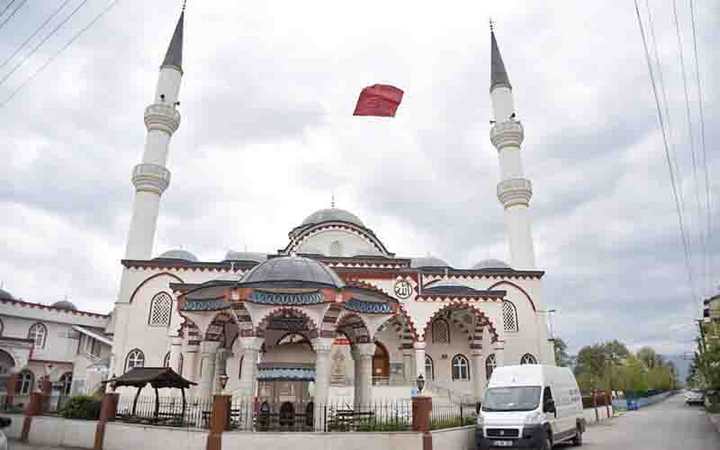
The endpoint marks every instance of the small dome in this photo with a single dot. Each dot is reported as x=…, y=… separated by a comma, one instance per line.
x=64, y=304
x=5, y=295
x=428, y=261
x=331, y=215
x=232, y=255
x=180, y=254
x=491, y=264
x=293, y=269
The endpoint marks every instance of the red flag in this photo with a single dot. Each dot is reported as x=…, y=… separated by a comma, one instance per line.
x=378, y=100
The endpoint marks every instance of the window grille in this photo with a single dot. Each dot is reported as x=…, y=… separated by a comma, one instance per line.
x=26, y=382
x=135, y=358
x=38, y=334
x=66, y=383
x=510, y=319
x=440, y=331
x=460, y=368
x=160, y=310
x=489, y=366
x=527, y=358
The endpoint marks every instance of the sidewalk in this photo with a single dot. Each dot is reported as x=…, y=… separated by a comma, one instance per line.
x=715, y=419
x=16, y=445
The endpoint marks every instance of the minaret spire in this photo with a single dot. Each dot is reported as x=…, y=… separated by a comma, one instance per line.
x=514, y=190
x=151, y=177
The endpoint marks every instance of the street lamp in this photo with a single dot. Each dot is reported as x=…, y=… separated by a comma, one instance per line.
x=420, y=382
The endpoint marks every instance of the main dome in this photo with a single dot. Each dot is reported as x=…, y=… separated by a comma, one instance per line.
x=179, y=254
x=491, y=264
x=64, y=304
x=331, y=215
x=427, y=261
x=292, y=269
x=5, y=295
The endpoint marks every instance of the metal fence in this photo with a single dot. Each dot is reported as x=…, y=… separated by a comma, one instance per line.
x=449, y=416
x=249, y=415
x=168, y=411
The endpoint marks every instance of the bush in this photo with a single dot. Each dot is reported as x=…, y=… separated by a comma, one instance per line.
x=81, y=407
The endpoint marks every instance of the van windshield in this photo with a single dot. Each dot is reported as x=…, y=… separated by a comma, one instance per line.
x=516, y=398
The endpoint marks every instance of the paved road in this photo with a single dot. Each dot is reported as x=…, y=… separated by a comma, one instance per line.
x=668, y=425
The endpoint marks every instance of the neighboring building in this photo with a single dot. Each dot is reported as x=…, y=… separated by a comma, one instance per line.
x=711, y=309
x=53, y=348
x=335, y=306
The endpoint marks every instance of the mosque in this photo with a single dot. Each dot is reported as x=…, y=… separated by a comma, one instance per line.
x=335, y=314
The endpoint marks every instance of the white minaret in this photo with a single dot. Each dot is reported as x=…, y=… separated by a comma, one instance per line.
x=151, y=177
x=513, y=190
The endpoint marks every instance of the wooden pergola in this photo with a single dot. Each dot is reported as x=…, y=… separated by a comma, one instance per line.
x=158, y=378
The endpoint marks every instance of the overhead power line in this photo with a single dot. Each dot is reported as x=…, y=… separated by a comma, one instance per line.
x=12, y=14
x=42, y=42
x=691, y=138
x=673, y=183
x=6, y=7
x=59, y=52
x=35, y=33
x=708, y=197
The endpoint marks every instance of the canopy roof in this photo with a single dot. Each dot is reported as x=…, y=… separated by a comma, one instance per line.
x=157, y=377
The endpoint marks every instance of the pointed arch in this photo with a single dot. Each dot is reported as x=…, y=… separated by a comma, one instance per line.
x=148, y=279
x=522, y=291
x=482, y=321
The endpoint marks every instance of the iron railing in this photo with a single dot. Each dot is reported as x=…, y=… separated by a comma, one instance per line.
x=449, y=416
x=168, y=411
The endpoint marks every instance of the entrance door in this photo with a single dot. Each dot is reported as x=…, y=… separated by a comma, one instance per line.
x=381, y=365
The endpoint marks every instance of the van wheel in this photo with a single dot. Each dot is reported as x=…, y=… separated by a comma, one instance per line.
x=547, y=444
x=577, y=440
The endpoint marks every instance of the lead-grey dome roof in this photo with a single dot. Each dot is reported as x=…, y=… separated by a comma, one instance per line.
x=428, y=261
x=178, y=253
x=332, y=214
x=491, y=264
x=64, y=304
x=232, y=255
x=292, y=269
x=5, y=295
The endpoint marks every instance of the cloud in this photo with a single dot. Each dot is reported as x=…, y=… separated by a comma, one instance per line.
x=267, y=136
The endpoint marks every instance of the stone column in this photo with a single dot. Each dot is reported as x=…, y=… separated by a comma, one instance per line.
x=420, y=359
x=408, y=365
x=322, y=347
x=499, y=351
x=190, y=360
x=220, y=369
x=208, y=350
x=356, y=377
x=175, y=353
x=477, y=373
x=251, y=347
x=366, y=353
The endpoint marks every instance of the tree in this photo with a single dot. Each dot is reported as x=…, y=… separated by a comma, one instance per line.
x=562, y=358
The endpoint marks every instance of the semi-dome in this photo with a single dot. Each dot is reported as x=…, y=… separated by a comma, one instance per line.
x=64, y=304
x=5, y=295
x=428, y=261
x=179, y=254
x=331, y=215
x=232, y=255
x=491, y=264
x=292, y=269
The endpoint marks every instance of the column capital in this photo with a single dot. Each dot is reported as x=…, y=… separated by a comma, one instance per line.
x=209, y=346
x=365, y=350
x=176, y=340
x=419, y=345
x=476, y=353
x=251, y=343
x=322, y=345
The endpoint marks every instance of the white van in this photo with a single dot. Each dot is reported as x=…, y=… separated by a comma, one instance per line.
x=530, y=406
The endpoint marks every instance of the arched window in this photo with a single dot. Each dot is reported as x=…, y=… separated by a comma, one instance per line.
x=460, y=368
x=440, y=331
x=38, y=334
x=510, y=318
x=135, y=358
x=489, y=366
x=65, y=383
x=429, y=368
x=160, y=310
x=26, y=379
x=240, y=367
x=2, y=327
x=166, y=360
x=527, y=358
x=7, y=362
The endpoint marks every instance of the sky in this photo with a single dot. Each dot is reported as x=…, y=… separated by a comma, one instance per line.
x=267, y=137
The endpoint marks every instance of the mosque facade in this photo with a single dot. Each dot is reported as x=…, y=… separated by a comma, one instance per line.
x=334, y=314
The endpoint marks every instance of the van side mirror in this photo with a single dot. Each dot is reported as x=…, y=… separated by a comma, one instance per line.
x=549, y=406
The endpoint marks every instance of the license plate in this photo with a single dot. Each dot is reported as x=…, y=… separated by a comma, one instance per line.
x=503, y=443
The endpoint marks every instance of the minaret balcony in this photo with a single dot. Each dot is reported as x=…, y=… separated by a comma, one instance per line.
x=509, y=133
x=514, y=191
x=163, y=117
x=150, y=178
